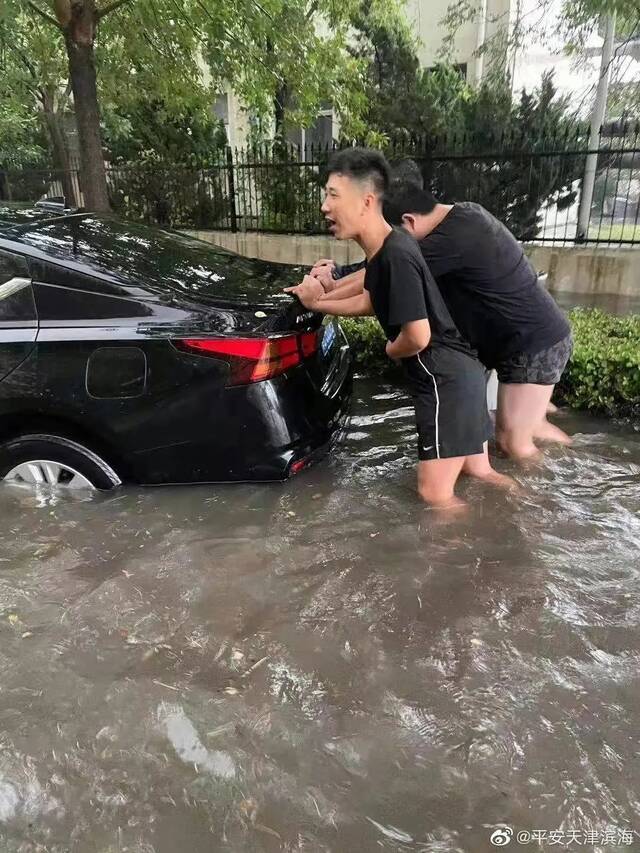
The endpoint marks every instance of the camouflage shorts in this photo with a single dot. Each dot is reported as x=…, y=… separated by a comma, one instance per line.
x=540, y=368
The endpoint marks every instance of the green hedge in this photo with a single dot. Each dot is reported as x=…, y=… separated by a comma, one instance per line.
x=603, y=375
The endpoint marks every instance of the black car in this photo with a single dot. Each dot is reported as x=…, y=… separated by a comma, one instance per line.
x=132, y=354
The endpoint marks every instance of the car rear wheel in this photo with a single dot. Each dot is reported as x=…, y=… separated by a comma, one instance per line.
x=54, y=462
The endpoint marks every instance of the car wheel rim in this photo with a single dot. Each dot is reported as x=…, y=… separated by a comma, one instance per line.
x=42, y=472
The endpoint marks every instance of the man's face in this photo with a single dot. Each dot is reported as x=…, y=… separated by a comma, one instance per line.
x=346, y=205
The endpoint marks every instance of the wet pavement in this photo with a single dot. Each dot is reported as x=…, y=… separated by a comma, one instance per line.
x=326, y=665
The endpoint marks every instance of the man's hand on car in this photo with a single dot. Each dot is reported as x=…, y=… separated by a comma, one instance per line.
x=309, y=292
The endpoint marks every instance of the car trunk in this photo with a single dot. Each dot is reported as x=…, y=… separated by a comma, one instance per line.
x=219, y=294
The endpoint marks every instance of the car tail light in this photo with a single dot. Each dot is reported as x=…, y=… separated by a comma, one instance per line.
x=254, y=359
x=298, y=466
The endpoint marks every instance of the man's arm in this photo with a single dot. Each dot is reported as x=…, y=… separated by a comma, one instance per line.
x=312, y=296
x=413, y=338
x=344, y=270
x=353, y=306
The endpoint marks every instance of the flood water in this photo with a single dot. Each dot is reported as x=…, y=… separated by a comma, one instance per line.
x=326, y=665
x=609, y=302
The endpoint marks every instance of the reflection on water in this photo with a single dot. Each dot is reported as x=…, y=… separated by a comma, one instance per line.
x=324, y=665
x=611, y=302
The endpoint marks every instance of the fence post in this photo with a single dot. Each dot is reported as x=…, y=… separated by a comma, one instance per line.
x=232, y=192
x=5, y=186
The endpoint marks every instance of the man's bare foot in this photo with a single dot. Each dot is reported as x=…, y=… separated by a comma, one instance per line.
x=519, y=450
x=449, y=512
x=500, y=481
x=446, y=504
x=547, y=431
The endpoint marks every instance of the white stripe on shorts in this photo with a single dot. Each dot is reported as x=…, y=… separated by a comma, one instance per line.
x=435, y=388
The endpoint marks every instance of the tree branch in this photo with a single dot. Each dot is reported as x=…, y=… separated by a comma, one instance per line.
x=64, y=97
x=110, y=7
x=263, y=10
x=25, y=61
x=48, y=18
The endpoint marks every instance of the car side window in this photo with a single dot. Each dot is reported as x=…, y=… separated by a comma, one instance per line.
x=16, y=294
x=59, y=303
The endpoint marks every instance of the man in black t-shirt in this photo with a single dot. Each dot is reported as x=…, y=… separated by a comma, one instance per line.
x=445, y=379
x=495, y=300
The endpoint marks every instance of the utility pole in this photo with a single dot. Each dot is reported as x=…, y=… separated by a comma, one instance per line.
x=597, y=120
x=480, y=39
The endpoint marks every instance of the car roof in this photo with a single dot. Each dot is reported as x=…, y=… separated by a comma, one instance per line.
x=130, y=253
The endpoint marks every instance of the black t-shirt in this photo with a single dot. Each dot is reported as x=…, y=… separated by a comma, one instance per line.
x=402, y=290
x=489, y=286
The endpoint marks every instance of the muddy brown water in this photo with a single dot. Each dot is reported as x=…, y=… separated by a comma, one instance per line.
x=325, y=665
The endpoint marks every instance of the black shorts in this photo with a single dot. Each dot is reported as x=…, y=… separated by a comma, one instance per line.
x=449, y=393
x=542, y=368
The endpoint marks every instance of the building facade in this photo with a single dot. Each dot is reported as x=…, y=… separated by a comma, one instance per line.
x=489, y=23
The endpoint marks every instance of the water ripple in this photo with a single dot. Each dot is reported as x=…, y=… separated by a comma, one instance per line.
x=325, y=665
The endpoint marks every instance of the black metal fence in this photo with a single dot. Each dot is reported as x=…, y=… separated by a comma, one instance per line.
x=534, y=186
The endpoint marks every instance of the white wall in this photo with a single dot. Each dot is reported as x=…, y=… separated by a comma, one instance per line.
x=426, y=18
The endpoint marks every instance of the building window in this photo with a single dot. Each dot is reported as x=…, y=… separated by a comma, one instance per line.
x=220, y=109
x=320, y=133
x=461, y=68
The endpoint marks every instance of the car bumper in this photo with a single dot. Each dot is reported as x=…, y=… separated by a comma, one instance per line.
x=257, y=433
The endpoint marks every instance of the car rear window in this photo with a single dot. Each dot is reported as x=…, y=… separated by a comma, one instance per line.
x=158, y=259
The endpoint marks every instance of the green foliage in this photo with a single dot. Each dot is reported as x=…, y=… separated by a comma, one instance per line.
x=280, y=185
x=161, y=63
x=603, y=375
x=154, y=190
x=299, y=57
x=28, y=72
x=367, y=342
x=20, y=147
x=442, y=114
x=604, y=372
x=514, y=188
x=177, y=134
x=402, y=100
x=580, y=18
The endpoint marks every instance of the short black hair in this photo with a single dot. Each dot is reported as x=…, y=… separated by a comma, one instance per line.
x=406, y=197
x=406, y=170
x=362, y=164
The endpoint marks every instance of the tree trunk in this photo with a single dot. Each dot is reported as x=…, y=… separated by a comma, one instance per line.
x=79, y=36
x=5, y=186
x=61, y=158
x=279, y=106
